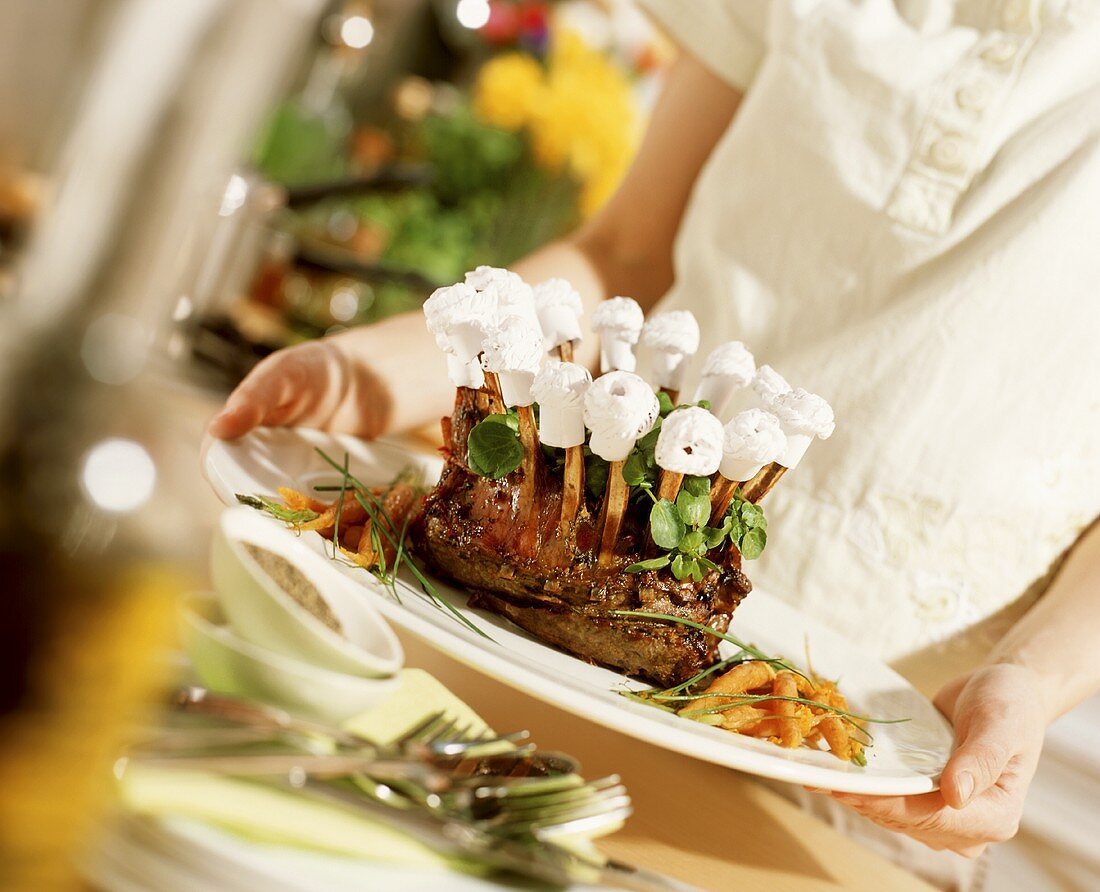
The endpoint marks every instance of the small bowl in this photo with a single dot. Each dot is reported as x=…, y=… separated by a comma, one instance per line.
x=229, y=664
x=262, y=612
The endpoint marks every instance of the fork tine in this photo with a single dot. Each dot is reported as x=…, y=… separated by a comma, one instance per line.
x=579, y=812
x=440, y=732
x=591, y=825
x=548, y=815
x=468, y=749
x=589, y=792
x=514, y=737
x=421, y=728
x=460, y=734
x=561, y=806
x=572, y=818
x=468, y=764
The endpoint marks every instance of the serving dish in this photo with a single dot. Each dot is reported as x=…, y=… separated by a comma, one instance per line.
x=264, y=612
x=906, y=758
x=227, y=662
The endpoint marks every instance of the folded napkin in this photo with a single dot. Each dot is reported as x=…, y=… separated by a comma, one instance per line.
x=262, y=813
x=419, y=695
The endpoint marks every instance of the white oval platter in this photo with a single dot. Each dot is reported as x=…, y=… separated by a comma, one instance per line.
x=906, y=758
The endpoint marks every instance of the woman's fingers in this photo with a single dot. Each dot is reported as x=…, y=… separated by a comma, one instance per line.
x=996, y=719
x=998, y=716
x=235, y=421
x=926, y=818
x=268, y=395
x=987, y=742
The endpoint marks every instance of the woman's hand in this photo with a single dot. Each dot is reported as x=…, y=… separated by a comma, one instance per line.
x=367, y=381
x=999, y=713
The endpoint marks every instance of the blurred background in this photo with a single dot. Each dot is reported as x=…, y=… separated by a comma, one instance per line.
x=185, y=187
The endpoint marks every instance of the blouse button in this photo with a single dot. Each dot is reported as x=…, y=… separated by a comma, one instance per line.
x=973, y=97
x=1004, y=50
x=948, y=153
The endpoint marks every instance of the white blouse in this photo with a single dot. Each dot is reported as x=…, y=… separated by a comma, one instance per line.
x=904, y=217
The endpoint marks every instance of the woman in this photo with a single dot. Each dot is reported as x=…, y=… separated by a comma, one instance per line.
x=893, y=204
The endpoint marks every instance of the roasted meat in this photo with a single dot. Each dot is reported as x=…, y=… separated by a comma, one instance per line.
x=519, y=563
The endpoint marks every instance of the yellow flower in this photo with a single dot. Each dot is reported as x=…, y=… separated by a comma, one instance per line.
x=579, y=112
x=586, y=120
x=508, y=90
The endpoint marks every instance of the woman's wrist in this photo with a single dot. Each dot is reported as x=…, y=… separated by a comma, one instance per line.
x=396, y=374
x=1035, y=682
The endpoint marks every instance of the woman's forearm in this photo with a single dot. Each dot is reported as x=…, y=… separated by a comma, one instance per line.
x=627, y=247
x=1057, y=638
x=567, y=260
x=396, y=360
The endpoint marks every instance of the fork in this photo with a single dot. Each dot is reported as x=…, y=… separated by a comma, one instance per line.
x=470, y=802
x=537, y=860
x=427, y=737
x=435, y=755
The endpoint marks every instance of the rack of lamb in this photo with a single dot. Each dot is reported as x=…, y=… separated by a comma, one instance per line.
x=566, y=501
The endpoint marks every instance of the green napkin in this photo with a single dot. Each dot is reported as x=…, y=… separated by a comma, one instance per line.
x=419, y=695
x=267, y=814
x=264, y=813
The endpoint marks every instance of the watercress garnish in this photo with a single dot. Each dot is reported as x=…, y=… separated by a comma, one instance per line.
x=494, y=446
x=747, y=528
x=595, y=473
x=666, y=525
x=649, y=564
x=681, y=528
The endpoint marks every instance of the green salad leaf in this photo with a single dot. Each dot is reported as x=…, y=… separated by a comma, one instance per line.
x=651, y=564
x=747, y=527
x=695, y=510
x=696, y=486
x=665, y=525
x=494, y=447
x=752, y=544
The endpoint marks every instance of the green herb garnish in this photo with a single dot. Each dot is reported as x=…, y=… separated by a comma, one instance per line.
x=747, y=527
x=494, y=447
x=650, y=564
x=279, y=512
x=687, y=691
x=381, y=525
x=376, y=511
x=666, y=525
x=595, y=473
x=680, y=528
x=743, y=646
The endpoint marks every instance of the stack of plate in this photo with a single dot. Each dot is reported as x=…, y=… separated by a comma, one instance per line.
x=177, y=855
x=253, y=639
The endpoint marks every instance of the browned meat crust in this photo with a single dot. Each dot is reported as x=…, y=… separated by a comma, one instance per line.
x=468, y=530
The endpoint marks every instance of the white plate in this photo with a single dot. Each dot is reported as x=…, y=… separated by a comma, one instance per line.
x=907, y=758
x=171, y=854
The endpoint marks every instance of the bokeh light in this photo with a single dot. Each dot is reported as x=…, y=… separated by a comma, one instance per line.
x=236, y=191
x=115, y=348
x=472, y=14
x=118, y=475
x=357, y=31
x=344, y=304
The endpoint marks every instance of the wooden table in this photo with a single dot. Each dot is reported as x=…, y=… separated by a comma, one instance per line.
x=705, y=824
